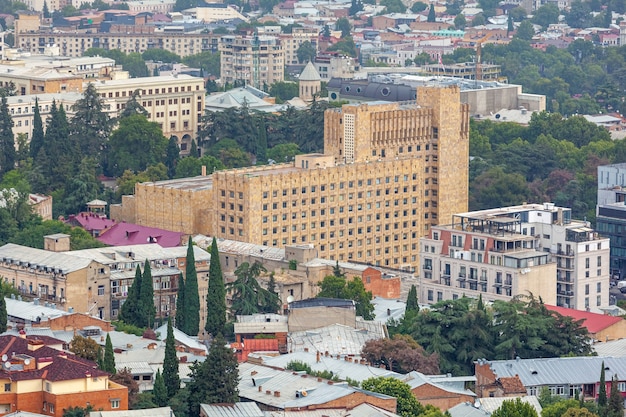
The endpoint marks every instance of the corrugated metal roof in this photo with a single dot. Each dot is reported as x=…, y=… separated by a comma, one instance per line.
x=491, y=404
x=181, y=338
x=241, y=248
x=138, y=253
x=336, y=339
x=135, y=368
x=245, y=409
x=615, y=348
x=385, y=309
x=150, y=412
x=363, y=410
x=41, y=259
x=559, y=371
x=28, y=311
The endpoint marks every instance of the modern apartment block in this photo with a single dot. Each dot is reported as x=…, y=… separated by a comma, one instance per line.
x=390, y=171
x=175, y=102
x=520, y=250
x=611, y=213
x=292, y=41
x=255, y=59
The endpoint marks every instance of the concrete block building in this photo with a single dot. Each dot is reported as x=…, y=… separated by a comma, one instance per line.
x=611, y=213
x=389, y=172
x=531, y=249
x=257, y=60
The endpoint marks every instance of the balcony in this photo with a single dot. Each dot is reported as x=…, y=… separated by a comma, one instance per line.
x=566, y=293
x=568, y=253
x=461, y=277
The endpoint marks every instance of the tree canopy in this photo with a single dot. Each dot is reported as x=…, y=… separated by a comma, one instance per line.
x=333, y=286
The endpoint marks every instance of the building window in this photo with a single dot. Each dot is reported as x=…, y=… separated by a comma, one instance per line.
x=51, y=408
x=115, y=403
x=430, y=295
x=100, y=289
x=7, y=387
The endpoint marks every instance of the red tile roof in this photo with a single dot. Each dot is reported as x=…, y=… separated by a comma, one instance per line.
x=512, y=385
x=123, y=234
x=90, y=221
x=592, y=321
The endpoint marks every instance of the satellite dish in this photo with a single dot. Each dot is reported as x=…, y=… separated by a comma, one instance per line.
x=26, y=361
x=304, y=393
x=4, y=357
x=290, y=299
x=6, y=365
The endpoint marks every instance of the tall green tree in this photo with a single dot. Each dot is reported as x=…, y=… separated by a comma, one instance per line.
x=109, y=357
x=46, y=10
x=147, y=310
x=7, y=139
x=170, y=364
x=249, y=297
x=412, y=305
x=431, y=13
x=602, y=399
x=180, y=304
x=407, y=404
x=261, y=145
x=344, y=26
x=36, y=141
x=615, y=406
x=57, y=158
x=192, y=297
x=306, y=52
x=130, y=309
x=216, y=297
x=132, y=106
x=91, y=125
x=216, y=379
x=273, y=304
x=3, y=313
x=159, y=392
x=172, y=157
x=517, y=408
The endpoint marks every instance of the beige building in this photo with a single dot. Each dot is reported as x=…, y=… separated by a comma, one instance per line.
x=292, y=41
x=531, y=249
x=257, y=60
x=151, y=6
x=390, y=171
x=175, y=102
x=29, y=80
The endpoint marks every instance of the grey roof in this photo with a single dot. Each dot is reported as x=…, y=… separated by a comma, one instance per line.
x=616, y=348
x=342, y=367
x=150, y=412
x=241, y=409
x=29, y=311
x=416, y=379
x=181, y=337
x=385, y=309
x=42, y=259
x=236, y=98
x=363, y=410
x=309, y=73
x=242, y=248
x=337, y=339
x=554, y=371
x=467, y=410
x=491, y=404
x=149, y=251
x=366, y=90
x=24, y=414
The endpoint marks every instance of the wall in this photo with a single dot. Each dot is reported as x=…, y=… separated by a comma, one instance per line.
x=444, y=400
x=315, y=317
x=75, y=321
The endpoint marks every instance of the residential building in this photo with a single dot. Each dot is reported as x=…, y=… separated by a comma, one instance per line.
x=465, y=70
x=564, y=377
x=611, y=213
x=601, y=327
x=256, y=60
x=40, y=204
x=292, y=41
x=531, y=249
x=335, y=65
x=175, y=102
x=152, y=6
x=37, y=377
x=39, y=80
x=390, y=171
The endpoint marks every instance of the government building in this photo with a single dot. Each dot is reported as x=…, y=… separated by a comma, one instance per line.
x=390, y=172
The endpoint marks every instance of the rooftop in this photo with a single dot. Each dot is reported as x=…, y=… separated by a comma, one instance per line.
x=42, y=260
x=121, y=234
x=592, y=321
x=337, y=339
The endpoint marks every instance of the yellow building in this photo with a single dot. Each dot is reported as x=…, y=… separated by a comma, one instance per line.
x=390, y=171
x=175, y=102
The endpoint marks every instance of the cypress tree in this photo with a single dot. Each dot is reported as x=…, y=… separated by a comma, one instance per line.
x=172, y=156
x=602, y=391
x=170, y=363
x=615, y=407
x=192, y=298
x=180, y=304
x=261, y=146
x=36, y=142
x=147, y=310
x=7, y=140
x=431, y=13
x=412, y=305
x=58, y=158
x=216, y=296
x=46, y=10
x=159, y=392
x=91, y=124
x=216, y=379
x=3, y=314
x=129, y=311
x=109, y=358
x=193, y=149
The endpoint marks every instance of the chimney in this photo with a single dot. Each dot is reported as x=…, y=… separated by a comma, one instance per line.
x=204, y=170
x=276, y=393
x=268, y=392
x=260, y=388
x=306, y=349
x=317, y=356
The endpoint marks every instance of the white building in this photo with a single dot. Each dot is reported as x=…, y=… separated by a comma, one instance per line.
x=529, y=249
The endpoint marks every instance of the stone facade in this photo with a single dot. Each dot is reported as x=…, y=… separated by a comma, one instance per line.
x=390, y=171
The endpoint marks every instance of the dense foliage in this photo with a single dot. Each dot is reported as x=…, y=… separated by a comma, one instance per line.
x=191, y=296
x=248, y=296
x=464, y=330
x=407, y=404
x=337, y=286
x=216, y=296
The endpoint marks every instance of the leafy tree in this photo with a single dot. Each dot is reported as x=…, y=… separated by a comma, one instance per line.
x=393, y=6
x=7, y=139
x=515, y=408
x=33, y=232
x=36, y=141
x=558, y=407
x=345, y=45
x=192, y=167
x=135, y=144
x=145, y=305
x=419, y=7
x=172, y=156
x=84, y=347
x=339, y=287
x=283, y=91
x=283, y=152
x=207, y=61
x=170, y=364
x=342, y=24
x=579, y=14
x=401, y=354
x=248, y=295
x=546, y=15
x=130, y=309
x=216, y=379
x=407, y=404
x=326, y=32
x=160, y=55
x=180, y=304
x=273, y=301
x=125, y=377
x=615, y=406
x=78, y=411
x=159, y=392
x=579, y=412
x=412, y=305
x=192, y=298
x=91, y=126
x=109, y=358
x=460, y=22
x=84, y=186
x=230, y=153
x=216, y=296
x=525, y=31
x=431, y=13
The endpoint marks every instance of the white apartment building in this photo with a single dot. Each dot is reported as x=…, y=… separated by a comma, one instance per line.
x=257, y=60
x=520, y=250
x=292, y=41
